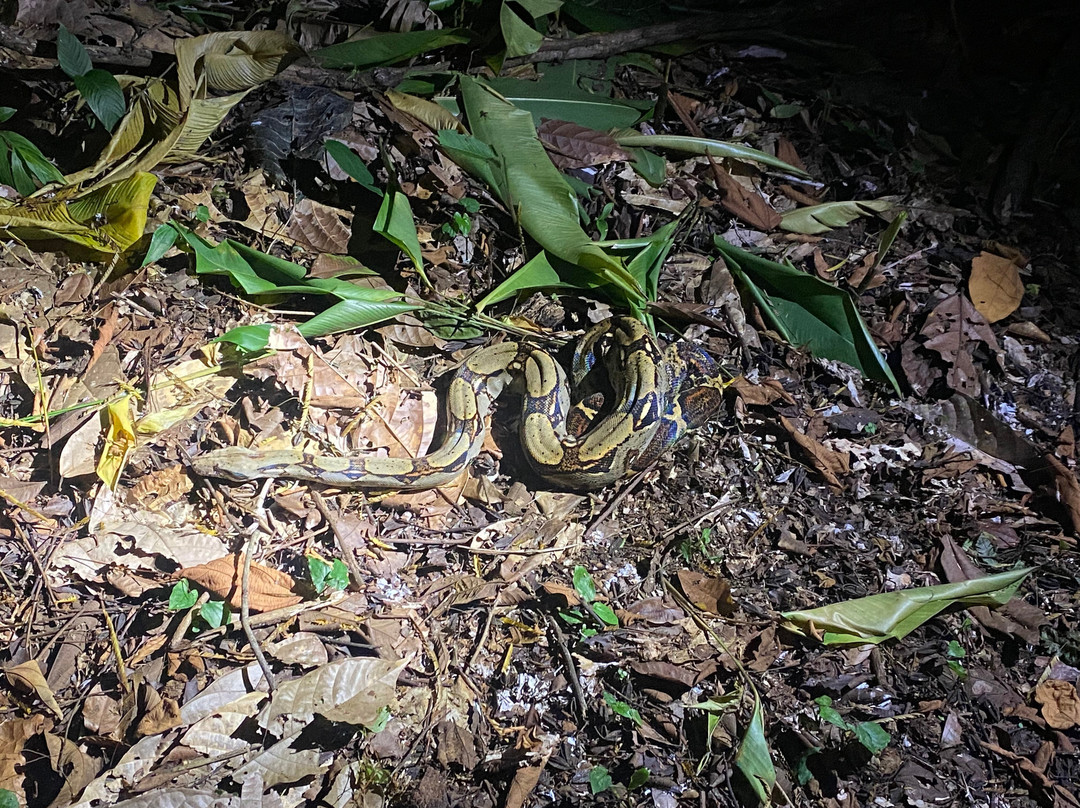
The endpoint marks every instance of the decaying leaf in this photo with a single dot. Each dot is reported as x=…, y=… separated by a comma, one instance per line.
x=353, y=690
x=270, y=588
x=28, y=680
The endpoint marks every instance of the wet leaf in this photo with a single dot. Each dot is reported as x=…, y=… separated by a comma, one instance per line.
x=706, y=146
x=753, y=757
x=818, y=219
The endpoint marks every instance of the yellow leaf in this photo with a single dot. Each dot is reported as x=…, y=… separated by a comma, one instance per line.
x=119, y=441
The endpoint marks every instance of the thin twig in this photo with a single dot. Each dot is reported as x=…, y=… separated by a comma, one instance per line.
x=245, y=595
x=568, y=661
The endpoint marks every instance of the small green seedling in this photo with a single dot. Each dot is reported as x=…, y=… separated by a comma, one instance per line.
x=868, y=733
x=334, y=577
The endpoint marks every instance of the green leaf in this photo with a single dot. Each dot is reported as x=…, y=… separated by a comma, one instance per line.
x=871, y=736
x=472, y=154
x=541, y=272
x=599, y=779
x=350, y=314
x=955, y=650
x=584, y=585
x=829, y=713
x=521, y=38
x=215, y=613
x=73, y=58
x=558, y=95
x=182, y=596
x=650, y=165
x=807, y=312
x=350, y=162
x=21, y=163
x=706, y=146
x=534, y=190
x=754, y=759
x=606, y=613
x=103, y=95
x=318, y=570
x=6, y=113
x=161, y=242
x=388, y=48
x=817, y=219
x=338, y=579
x=639, y=778
x=8, y=799
x=621, y=708
x=395, y=222
x=248, y=338
x=893, y=615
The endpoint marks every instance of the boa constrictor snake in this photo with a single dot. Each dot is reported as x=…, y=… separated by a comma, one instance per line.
x=658, y=396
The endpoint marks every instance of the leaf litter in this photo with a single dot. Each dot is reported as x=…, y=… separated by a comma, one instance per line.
x=496, y=642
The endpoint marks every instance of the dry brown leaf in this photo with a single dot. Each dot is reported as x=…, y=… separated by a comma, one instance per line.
x=829, y=463
x=28, y=678
x=1068, y=488
x=521, y=787
x=707, y=592
x=270, y=588
x=320, y=226
x=571, y=145
x=995, y=286
x=747, y=205
x=1060, y=703
x=14, y=732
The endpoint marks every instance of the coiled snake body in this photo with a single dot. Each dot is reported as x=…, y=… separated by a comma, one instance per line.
x=658, y=396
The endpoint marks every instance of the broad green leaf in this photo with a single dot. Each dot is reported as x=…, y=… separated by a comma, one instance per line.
x=350, y=314
x=542, y=272
x=388, y=48
x=475, y=156
x=646, y=265
x=215, y=613
x=70, y=53
x=650, y=165
x=818, y=219
x=807, y=312
x=350, y=162
x=338, y=577
x=161, y=242
x=558, y=96
x=182, y=596
x=103, y=95
x=893, y=615
x=829, y=713
x=754, y=759
x=8, y=799
x=23, y=166
x=639, y=778
x=606, y=613
x=395, y=222
x=530, y=186
x=871, y=736
x=248, y=338
x=6, y=113
x=705, y=146
x=621, y=708
x=599, y=780
x=318, y=570
x=520, y=38
x=584, y=585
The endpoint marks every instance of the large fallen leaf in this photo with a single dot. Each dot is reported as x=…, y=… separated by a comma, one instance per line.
x=893, y=615
x=523, y=176
x=14, y=733
x=106, y=220
x=353, y=690
x=818, y=219
x=226, y=694
x=231, y=61
x=282, y=764
x=377, y=48
x=807, y=312
x=995, y=286
x=28, y=679
x=270, y=588
x=754, y=759
x=707, y=147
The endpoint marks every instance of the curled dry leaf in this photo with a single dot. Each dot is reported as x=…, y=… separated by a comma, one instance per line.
x=270, y=588
x=1060, y=703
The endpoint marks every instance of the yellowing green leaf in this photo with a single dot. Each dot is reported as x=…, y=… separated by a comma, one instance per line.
x=818, y=219
x=892, y=615
x=119, y=441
